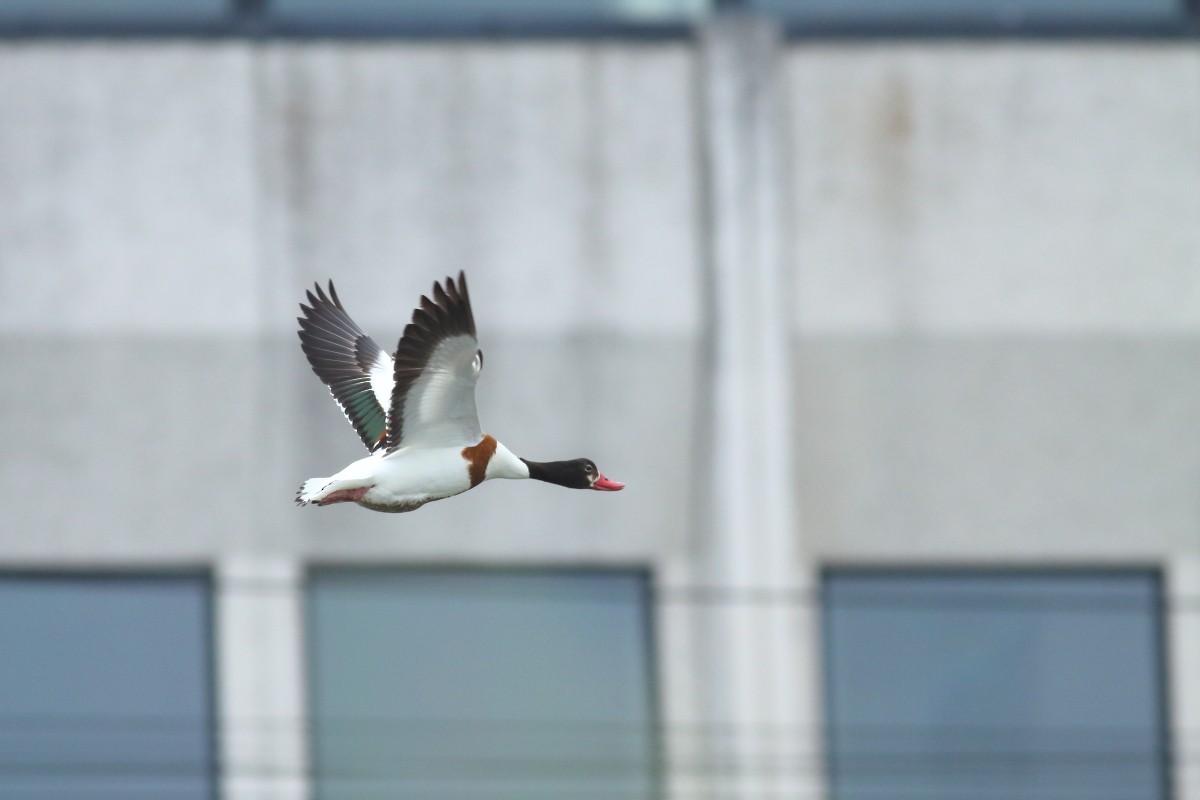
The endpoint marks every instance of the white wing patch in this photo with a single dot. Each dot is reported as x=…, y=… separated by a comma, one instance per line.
x=382, y=379
x=439, y=410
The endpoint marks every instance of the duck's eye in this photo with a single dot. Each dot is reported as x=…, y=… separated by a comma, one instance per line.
x=589, y=468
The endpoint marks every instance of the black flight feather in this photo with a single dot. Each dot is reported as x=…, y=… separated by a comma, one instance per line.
x=342, y=356
x=447, y=315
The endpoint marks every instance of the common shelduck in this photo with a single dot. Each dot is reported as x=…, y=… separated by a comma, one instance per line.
x=415, y=411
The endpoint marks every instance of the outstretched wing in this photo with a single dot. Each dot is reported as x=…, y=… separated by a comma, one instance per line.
x=436, y=365
x=357, y=372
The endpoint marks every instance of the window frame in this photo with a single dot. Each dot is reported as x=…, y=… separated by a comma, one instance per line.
x=1186, y=27
x=208, y=632
x=647, y=597
x=252, y=20
x=1161, y=649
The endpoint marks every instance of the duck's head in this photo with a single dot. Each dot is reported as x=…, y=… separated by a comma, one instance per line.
x=577, y=473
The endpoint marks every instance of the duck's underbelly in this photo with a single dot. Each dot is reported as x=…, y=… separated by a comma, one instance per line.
x=407, y=480
x=393, y=507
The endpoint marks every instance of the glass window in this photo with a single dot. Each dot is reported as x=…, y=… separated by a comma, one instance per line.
x=481, y=685
x=105, y=689
x=975, y=13
x=483, y=13
x=76, y=12
x=994, y=685
x=485, y=17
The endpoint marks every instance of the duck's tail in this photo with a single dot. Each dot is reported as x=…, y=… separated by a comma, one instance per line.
x=312, y=491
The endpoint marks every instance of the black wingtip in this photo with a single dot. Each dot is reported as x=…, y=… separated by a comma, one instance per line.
x=323, y=296
x=444, y=312
x=342, y=356
x=440, y=297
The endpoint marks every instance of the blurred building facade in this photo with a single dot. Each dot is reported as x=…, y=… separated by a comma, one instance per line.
x=894, y=342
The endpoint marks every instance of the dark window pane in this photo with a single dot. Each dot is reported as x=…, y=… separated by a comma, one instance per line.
x=1005, y=13
x=994, y=685
x=73, y=12
x=480, y=686
x=104, y=688
x=482, y=12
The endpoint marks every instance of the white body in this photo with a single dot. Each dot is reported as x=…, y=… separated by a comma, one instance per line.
x=410, y=477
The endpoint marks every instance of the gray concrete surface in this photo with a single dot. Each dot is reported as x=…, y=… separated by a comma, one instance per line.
x=995, y=295
x=968, y=188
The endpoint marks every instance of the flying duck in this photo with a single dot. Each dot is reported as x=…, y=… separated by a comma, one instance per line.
x=415, y=410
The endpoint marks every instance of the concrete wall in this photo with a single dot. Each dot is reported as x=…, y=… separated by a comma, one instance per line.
x=166, y=205
x=160, y=230
x=993, y=272
x=997, y=300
